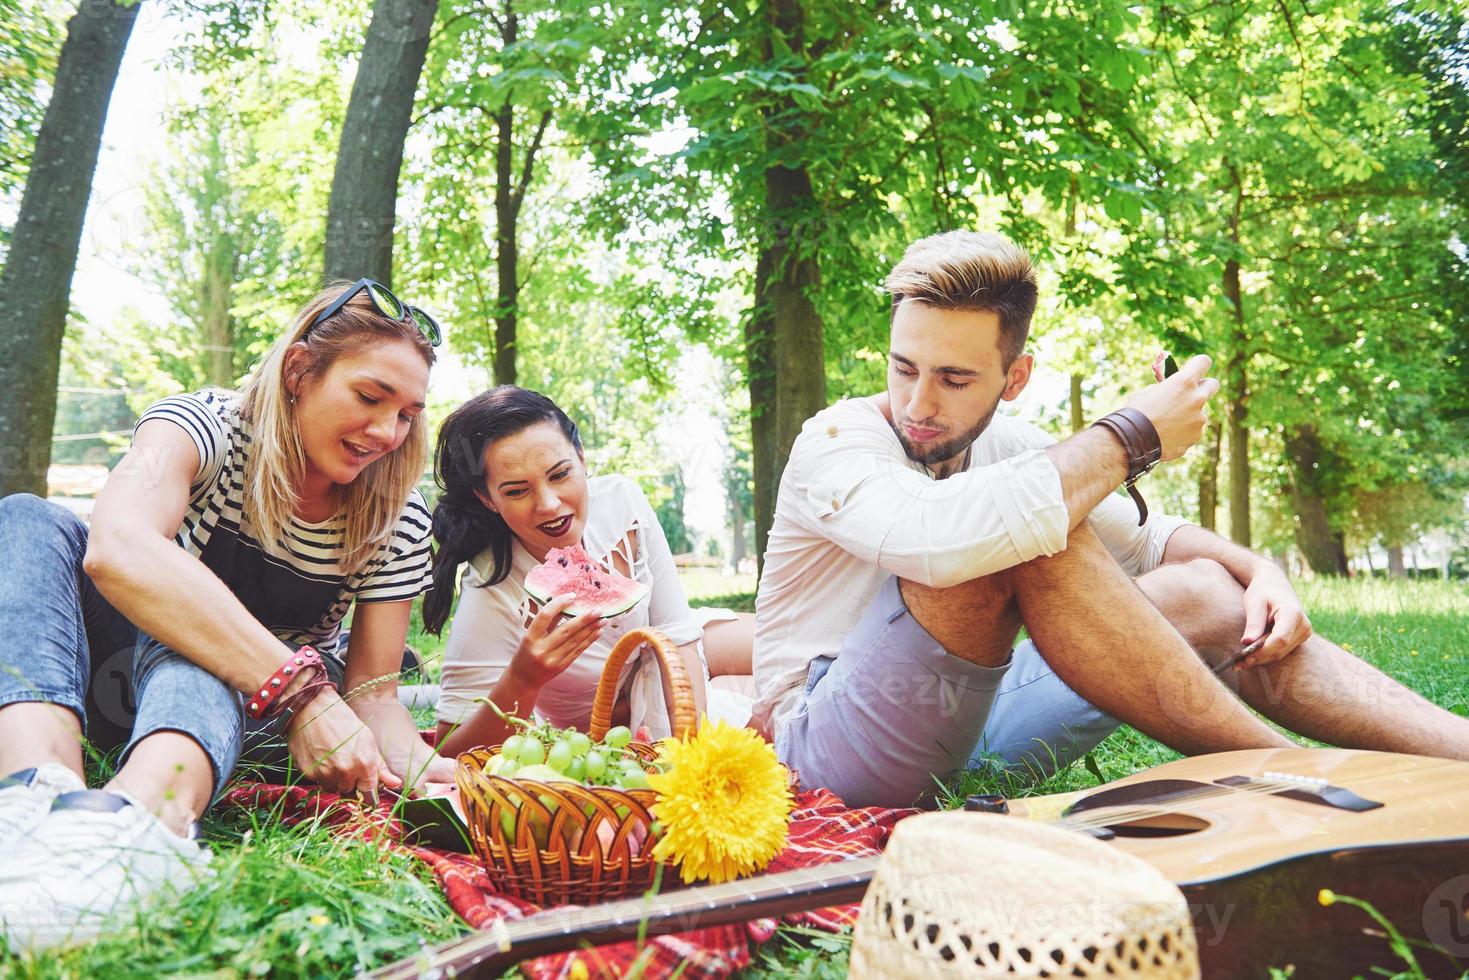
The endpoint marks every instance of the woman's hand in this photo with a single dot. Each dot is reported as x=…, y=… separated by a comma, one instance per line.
x=551, y=644
x=333, y=746
x=408, y=757
x=430, y=774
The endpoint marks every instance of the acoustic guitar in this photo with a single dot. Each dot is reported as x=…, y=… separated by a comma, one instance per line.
x=1250, y=837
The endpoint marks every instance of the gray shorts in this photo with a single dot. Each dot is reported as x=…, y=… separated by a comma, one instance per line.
x=893, y=709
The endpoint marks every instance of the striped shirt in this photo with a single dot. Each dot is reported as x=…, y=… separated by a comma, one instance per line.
x=302, y=595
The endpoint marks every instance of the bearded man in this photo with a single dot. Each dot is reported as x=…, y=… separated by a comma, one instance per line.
x=916, y=531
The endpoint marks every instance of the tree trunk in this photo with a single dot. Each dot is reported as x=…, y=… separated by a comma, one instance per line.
x=1078, y=414
x=36, y=281
x=1395, y=566
x=737, y=547
x=800, y=379
x=221, y=266
x=760, y=374
x=1237, y=383
x=359, y=217
x=507, y=255
x=1322, y=546
x=787, y=235
x=1209, y=476
x=1239, y=453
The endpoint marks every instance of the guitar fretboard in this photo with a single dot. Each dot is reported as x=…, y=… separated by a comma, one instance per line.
x=679, y=911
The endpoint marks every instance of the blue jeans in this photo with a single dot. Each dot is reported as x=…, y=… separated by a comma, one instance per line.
x=62, y=642
x=893, y=710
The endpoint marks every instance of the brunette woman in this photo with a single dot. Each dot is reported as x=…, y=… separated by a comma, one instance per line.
x=515, y=485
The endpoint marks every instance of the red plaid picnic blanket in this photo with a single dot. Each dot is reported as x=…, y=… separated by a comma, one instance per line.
x=822, y=830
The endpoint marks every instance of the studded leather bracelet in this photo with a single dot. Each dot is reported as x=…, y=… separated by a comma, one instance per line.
x=265, y=702
x=1143, y=447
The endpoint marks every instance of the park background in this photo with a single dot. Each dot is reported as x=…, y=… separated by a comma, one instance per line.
x=662, y=216
x=675, y=219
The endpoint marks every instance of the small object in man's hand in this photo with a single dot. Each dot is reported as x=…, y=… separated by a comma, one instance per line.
x=1239, y=658
x=1164, y=366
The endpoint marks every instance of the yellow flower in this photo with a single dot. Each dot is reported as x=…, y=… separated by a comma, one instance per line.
x=1326, y=896
x=578, y=970
x=723, y=804
x=319, y=920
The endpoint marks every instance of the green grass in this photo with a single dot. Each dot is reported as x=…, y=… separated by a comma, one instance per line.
x=299, y=902
x=282, y=902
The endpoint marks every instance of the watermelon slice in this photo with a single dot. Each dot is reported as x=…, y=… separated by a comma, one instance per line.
x=596, y=589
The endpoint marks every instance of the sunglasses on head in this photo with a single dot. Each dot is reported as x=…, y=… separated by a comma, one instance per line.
x=387, y=305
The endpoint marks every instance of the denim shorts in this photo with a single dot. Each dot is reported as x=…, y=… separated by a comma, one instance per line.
x=893, y=710
x=63, y=643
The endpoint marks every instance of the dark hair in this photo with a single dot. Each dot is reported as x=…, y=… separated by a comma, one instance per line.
x=967, y=270
x=463, y=526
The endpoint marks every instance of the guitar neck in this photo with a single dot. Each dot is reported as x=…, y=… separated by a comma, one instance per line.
x=496, y=948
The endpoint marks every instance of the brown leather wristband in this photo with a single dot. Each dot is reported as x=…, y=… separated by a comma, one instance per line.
x=1142, y=446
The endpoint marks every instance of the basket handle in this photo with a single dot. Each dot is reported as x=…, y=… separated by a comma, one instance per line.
x=681, y=713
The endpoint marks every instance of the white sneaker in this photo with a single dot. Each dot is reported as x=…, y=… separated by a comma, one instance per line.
x=95, y=855
x=26, y=798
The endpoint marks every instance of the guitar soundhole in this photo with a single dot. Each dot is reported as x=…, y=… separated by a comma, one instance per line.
x=1159, y=825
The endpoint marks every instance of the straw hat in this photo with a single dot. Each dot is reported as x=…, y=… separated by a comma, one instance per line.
x=980, y=895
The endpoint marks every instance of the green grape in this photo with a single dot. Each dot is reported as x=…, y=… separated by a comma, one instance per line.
x=532, y=752
x=596, y=764
x=560, y=756
x=512, y=745
x=508, y=769
x=634, y=779
x=577, y=769
x=617, y=737
x=580, y=743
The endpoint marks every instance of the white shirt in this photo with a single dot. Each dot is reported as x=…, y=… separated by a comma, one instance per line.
x=490, y=621
x=853, y=509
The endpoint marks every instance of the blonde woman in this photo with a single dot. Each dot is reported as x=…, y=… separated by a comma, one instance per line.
x=203, y=603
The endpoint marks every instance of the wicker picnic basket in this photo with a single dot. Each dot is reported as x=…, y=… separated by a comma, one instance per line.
x=560, y=843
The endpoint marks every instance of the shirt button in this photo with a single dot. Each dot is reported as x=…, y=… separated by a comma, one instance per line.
x=836, y=504
x=831, y=430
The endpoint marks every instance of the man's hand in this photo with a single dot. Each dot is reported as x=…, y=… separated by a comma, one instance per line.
x=1176, y=406
x=331, y=744
x=1272, y=610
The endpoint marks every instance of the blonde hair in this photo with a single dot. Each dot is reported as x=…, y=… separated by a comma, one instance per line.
x=970, y=270
x=374, y=501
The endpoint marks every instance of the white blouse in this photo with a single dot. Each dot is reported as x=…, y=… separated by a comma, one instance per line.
x=622, y=533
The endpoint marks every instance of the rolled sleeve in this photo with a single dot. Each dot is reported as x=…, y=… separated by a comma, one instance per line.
x=936, y=532
x=201, y=416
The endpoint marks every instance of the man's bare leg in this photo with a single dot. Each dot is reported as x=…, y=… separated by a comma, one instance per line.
x=1101, y=636
x=1320, y=690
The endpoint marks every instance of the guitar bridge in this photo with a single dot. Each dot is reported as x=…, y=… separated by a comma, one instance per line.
x=1307, y=789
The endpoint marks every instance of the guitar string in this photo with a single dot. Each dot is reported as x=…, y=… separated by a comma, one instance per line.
x=1105, y=816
